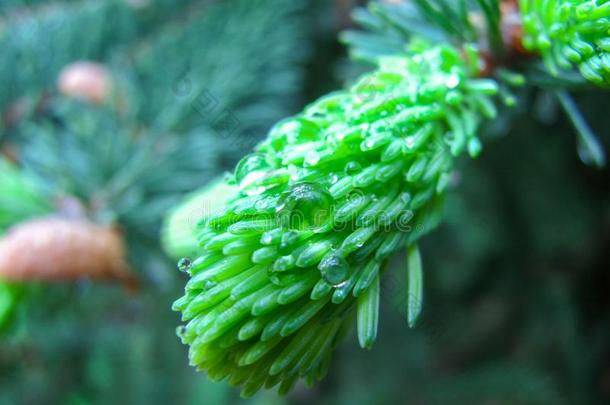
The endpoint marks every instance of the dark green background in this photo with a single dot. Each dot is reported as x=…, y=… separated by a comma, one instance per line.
x=516, y=279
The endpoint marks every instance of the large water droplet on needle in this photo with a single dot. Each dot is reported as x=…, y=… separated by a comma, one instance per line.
x=335, y=270
x=306, y=206
x=184, y=264
x=251, y=168
x=352, y=167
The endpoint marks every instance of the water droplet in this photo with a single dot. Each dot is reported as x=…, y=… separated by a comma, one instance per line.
x=352, y=167
x=306, y=206
x=335, y=270
x=251, y=192
x=209, y=285
x=289, y=238
x=296, y=130
x=410, y=142
x=275, y=279
x=264, y=203
x=294, y=172
x=267, y=238
x=452, y=81
x=251, y=168
x=405, y=197
x=184, y=264
x=356, y=196
x=378, y=127
x=312, y=158
x=279, y=276
x=283, y=263
x=333, y=178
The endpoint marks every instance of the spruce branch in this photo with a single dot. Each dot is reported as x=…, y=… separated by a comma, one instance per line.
x=325, y=200
x=568, y=33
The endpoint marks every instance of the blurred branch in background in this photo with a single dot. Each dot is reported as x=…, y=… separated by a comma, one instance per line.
x=516, y=292
x=112, y=111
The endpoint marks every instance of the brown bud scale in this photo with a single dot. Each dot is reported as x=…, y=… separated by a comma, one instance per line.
x=55, y=249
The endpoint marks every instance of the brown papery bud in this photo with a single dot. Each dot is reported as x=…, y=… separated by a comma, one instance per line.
x=88, y=81
x=55, y=249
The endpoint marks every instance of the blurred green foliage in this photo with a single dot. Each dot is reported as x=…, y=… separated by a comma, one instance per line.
x=517, y=307
x=190, y=93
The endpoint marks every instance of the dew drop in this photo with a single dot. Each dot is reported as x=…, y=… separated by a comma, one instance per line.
x=254, y=191
x=265, y=204
x=333, y=178
x=277, y=275
x=267, y=238
x=275, y=279
x=184, y=264
x=334, y=270
x=452, y=81
x=285, y=262
x=379, y=127
x=306, y=206
x=260, y=204
x=250, y=169
x=352, y=167
x=356, y=196
x=312, y=158
x=209, y=285
x=296, y=130
x=288, y=239
x=369, y=144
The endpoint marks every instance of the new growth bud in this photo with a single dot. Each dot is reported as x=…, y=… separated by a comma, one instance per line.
x=570, y=32
x=326, y=198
